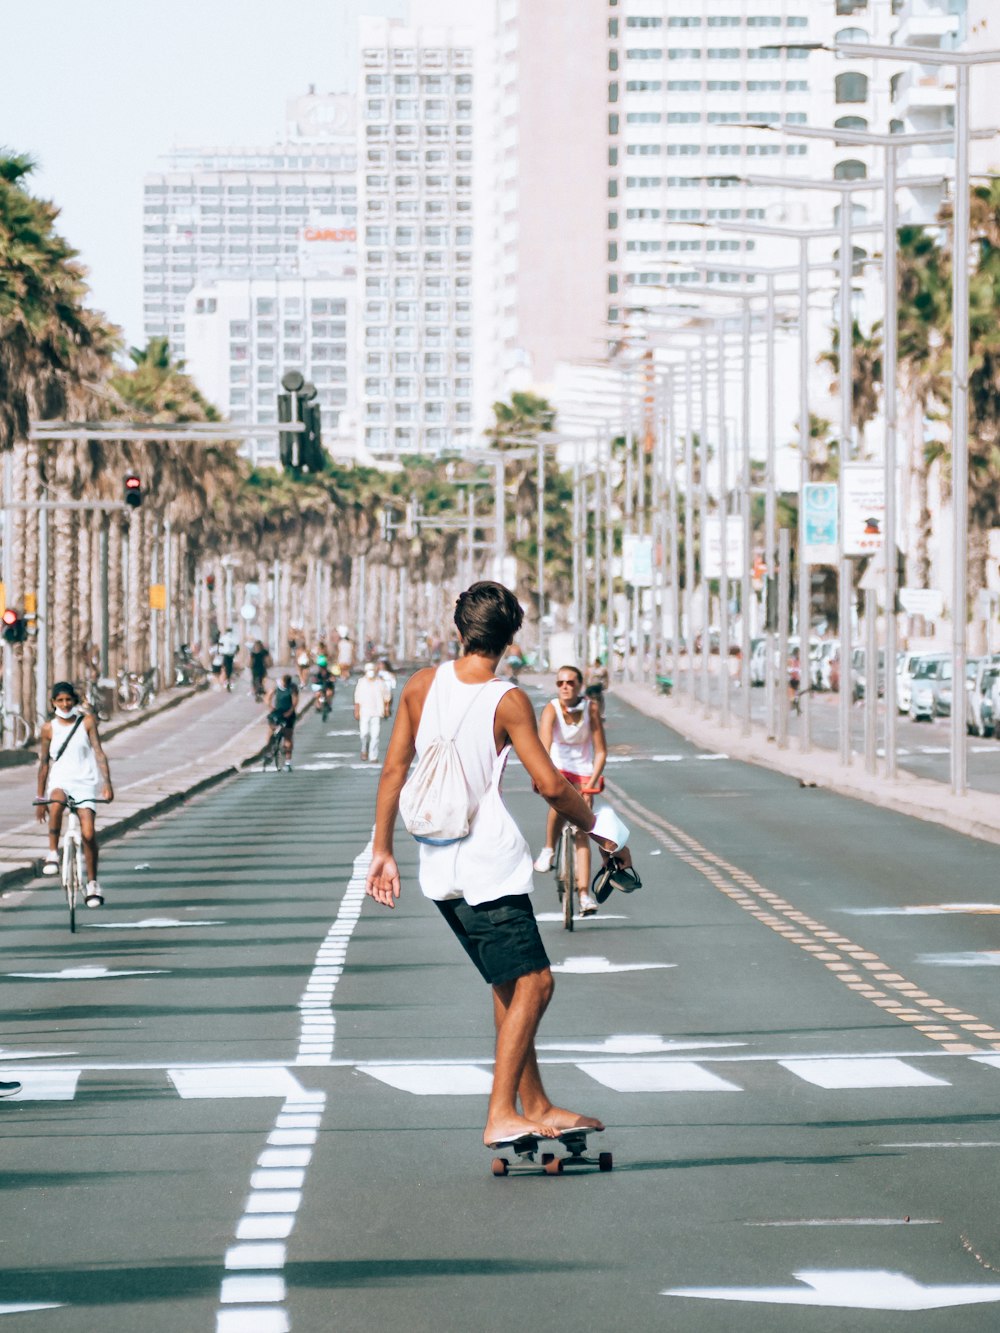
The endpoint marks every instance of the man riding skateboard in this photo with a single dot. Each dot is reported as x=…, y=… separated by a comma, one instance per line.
x=482, y=882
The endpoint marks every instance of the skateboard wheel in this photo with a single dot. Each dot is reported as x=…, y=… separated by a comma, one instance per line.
x=499, y=1166
x=604, y=1161
x=554, y=1166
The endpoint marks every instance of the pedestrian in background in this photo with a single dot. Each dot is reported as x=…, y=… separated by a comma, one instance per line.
x=371, y=699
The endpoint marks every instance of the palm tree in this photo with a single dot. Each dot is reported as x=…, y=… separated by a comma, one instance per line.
x=866, y=372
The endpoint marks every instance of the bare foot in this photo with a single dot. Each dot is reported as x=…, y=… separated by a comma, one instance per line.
x=509, y=1127
x=560, y=1120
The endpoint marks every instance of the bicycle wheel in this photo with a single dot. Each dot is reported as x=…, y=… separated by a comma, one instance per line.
x=564, y=875
x=19, y=729
x=71, y=879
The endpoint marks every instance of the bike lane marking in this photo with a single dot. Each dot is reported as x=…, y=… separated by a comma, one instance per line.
x=253, y=1293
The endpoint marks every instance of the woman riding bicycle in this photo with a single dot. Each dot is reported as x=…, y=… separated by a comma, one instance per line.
x=572, y=731
x=73, y=765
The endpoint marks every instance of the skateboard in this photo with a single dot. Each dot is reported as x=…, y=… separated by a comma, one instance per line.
x=528, y=1147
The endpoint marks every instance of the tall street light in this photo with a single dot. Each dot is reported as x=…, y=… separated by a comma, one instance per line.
x=962, y=61
x=891, y=144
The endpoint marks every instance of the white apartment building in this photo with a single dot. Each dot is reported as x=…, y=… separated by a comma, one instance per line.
x=416, y=161
x=244, y=332
x=550, y=219
x=209, y=212
x=681, y=74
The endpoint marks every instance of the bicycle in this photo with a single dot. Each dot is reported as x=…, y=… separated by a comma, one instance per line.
x=564, y=865
x=17, y=727
x=274, y=750
x=72, y=870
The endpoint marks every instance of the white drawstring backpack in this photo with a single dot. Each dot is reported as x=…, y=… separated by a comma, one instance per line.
x=436, y=805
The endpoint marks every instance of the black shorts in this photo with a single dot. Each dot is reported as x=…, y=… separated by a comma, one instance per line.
x=501, y=937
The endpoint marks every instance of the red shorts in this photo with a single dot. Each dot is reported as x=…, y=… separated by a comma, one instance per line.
x=581, y=780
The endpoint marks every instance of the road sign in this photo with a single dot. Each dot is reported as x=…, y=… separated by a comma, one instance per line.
x=819, y=500
x=852, y=1289
x=157, y=597
x=926, y=602
x=713, y=547
x=864, y=508
x=637, y=561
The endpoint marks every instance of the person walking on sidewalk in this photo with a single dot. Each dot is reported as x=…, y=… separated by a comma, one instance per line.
x=229, y=646
x=372, y=701
x=78, y=769
x=345, y=656
x=573, y=733
x=260, y=660
x=482, y=882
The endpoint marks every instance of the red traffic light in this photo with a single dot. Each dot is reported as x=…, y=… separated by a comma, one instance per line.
x=133, y=490
x=14, y=628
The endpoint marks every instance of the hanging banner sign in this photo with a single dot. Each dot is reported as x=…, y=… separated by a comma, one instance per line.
x=926, y=602
x=864, y=508
x=637, y=561
x=819, y=502
x=712, y=554
x=157, y=597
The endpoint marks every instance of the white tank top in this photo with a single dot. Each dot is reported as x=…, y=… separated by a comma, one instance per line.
x=573, y=743
x=75, y=771
x=494, y=860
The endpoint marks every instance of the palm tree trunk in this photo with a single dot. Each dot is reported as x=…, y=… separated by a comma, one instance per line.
x=138, y=593
x=85, y=592
x=979, y=552
x=116, y=602
x=64, y=621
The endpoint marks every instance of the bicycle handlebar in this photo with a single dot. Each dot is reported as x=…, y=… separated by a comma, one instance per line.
x=87, y=800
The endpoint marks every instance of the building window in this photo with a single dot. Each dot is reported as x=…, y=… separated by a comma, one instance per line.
x=845, y=8
x=851, y=87
x=851, y=123
x=850, y=170
x=723, y=86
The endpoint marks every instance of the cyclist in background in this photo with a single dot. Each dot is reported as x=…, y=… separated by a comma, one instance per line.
x=282, y=704
x=72, y=763
x=260, y=660
x=597, y=682
x=573, y=733
x=323, y=684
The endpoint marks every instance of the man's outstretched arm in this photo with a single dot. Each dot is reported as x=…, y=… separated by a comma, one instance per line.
x=382, y=882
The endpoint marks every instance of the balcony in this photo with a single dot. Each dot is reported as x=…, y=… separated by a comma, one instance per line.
x=926, y=25
x=923, y=88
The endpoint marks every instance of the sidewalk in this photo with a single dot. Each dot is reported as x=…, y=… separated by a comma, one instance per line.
x=178, y=751
x=976, y=814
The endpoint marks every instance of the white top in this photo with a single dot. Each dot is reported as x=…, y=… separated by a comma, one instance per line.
x=75, y=771
x=573, y=743
x=371, y=696
x=494, y=860
x=345, y=652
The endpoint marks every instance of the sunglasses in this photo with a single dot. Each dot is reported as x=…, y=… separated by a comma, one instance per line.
x=561, y=683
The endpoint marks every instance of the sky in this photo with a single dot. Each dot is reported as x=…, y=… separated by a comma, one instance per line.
x=105, y=86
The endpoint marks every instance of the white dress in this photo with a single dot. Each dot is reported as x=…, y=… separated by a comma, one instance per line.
x=75, y=771
x=494, y=860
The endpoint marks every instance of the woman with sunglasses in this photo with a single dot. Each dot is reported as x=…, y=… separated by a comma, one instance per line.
x=572, y=731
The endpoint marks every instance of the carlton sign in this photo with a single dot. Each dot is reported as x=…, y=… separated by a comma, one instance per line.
x=328, y=247
x=334, y=235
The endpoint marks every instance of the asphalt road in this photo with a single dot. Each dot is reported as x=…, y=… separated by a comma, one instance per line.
x=254, y=1102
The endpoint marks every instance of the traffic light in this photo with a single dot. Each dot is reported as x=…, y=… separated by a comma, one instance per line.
x=133, y=490
x=15, y=630
x=300, y=450
x=210, y=582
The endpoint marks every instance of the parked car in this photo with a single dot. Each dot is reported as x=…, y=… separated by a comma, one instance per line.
x=931, y=677
x=908, y=663
x=980, y=718
x=858, y=673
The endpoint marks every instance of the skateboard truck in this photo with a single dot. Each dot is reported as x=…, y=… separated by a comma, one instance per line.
x=527, y=1148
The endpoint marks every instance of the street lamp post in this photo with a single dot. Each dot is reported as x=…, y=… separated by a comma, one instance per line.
x=962, y=61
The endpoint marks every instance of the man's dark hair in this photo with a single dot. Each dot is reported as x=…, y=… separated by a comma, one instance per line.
x=487, y=616
x=575, y=670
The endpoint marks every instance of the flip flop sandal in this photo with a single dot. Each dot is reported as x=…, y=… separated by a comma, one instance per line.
x=614, y=876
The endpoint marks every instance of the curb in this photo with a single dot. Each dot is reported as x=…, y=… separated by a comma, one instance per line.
x=10, y=879
x=917, y=798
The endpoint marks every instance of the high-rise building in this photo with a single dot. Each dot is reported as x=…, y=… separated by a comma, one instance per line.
x=209, y=212
x=550, y=217
x=684, y=77
x=418, y=235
